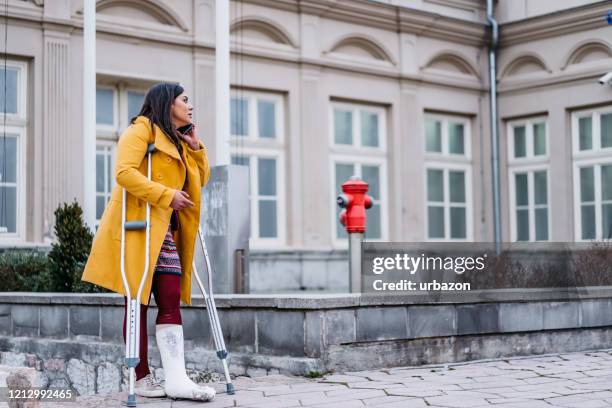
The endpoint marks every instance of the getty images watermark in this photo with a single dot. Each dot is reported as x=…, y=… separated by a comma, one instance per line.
x=394, y=267
x=411, y=265
x=451, y=271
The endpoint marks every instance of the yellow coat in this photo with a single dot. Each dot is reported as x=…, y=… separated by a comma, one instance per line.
x=168, y=174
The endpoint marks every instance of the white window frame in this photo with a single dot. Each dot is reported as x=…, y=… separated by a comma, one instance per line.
x=449, y=161
x=123, y=101
x=445, y=154
x=382, y=201
x=16, y=124
x=359, y=155
x=530, y=158
x=104, y=127
x=120, y=110
x=531, y=206
x=357, y=147
x=19, y=235
x=253, y=146
x=596, y=163
x=446, y=167
x=113, y=150
x=596, y=157
x=528, y=164
x=22, y=84
x=253, y=126
x=256, y=241
x=597, y=150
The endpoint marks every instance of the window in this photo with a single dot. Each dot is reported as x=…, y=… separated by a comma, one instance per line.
x=358, y=126
x=257, y=141
x=135, y=100
x=592, y=157
x=256, y=116
x=116, y=105
x=448, y=178
x=527, y=140
x=106, y=105
x=528, y=179
x=12, y=150
x=445, y=137
x=263, y=194
x=104, y=175
x=358, y=147
x=529, y=202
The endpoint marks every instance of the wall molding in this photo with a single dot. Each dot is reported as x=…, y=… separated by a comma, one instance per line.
x=568, y=21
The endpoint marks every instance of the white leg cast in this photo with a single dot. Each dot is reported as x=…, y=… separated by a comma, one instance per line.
x=171, y=349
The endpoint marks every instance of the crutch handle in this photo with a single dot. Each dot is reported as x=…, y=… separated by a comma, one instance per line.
x=135, y=225
x=151, y=148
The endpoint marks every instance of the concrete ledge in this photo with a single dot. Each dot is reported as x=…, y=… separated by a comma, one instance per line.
x=264, y=254
x=327, y=300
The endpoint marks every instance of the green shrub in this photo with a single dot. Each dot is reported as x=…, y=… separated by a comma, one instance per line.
x=61, y=269
x=69, y=254
x=24, y=271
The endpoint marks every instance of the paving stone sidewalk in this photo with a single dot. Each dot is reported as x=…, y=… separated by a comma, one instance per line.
x=581, y=380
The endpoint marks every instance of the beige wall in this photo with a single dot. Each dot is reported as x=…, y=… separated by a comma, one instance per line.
x=408, y=65
x=515, y=10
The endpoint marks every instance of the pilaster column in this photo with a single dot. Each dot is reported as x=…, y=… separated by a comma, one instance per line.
x=317, y=204
x=411, y=151
x=61, y=157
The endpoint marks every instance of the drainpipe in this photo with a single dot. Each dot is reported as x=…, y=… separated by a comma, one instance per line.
x=494, y=129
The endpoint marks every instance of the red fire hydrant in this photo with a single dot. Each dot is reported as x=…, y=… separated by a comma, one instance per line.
x=354, y=202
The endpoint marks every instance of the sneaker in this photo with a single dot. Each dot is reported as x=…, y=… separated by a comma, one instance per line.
x=149, y=387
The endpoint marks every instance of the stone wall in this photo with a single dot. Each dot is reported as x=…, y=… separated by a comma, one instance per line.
x=76, y=339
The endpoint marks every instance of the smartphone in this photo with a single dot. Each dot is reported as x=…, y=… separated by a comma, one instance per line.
x=185, y=129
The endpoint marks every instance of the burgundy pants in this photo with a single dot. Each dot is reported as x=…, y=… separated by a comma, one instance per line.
x=167, y=291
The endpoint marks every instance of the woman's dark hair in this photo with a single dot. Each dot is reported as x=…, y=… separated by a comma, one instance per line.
x=157, y=107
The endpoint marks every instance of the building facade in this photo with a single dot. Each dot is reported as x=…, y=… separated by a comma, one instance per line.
x=394, y=91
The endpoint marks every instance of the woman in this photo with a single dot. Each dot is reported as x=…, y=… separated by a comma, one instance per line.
x=179, y=169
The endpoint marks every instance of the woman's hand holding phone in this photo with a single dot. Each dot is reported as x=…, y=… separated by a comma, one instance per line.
x=191, y=137
x=181, y=201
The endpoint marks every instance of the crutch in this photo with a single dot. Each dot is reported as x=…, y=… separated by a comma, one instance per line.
x=132, y=337
x=213, y=317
